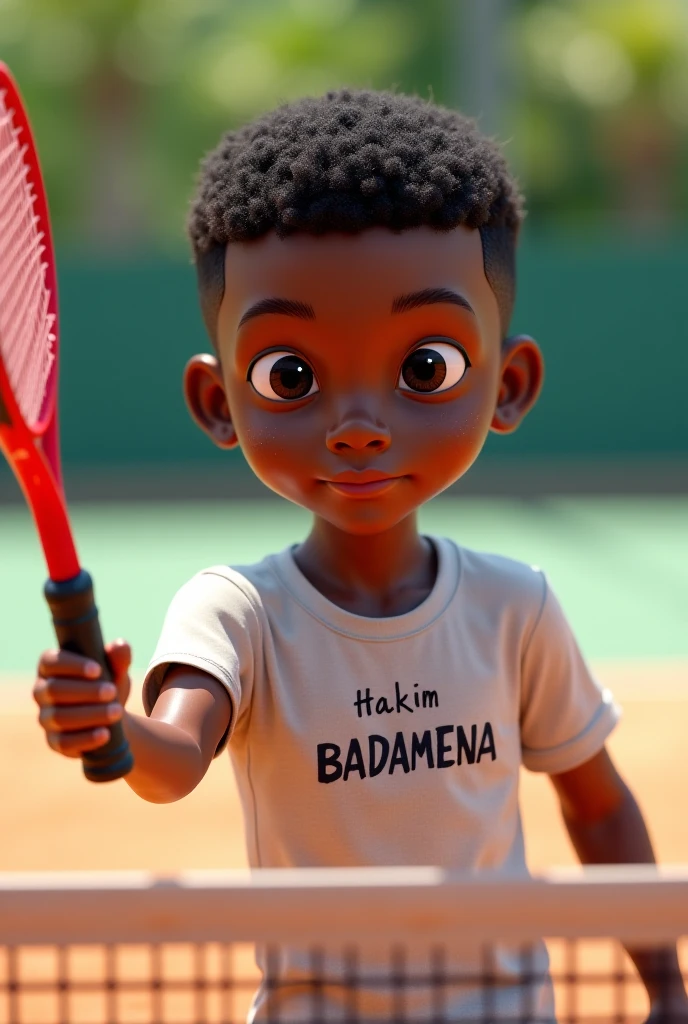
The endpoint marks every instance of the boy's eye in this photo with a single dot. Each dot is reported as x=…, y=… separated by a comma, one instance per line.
x=436, y=366
x=283, y=377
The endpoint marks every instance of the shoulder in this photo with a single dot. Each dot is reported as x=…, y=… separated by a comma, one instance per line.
x=236, y=592
x=496, y=578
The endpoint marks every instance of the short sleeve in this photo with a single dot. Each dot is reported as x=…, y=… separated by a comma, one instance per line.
x=211, y=624
x=566, y=716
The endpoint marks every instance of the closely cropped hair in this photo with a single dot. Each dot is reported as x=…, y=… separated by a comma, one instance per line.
x=349, y=161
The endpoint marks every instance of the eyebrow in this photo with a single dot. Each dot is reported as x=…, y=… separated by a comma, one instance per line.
x=430, y=297
x=285, y=307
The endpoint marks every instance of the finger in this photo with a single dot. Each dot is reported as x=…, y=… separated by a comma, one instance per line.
x=119, y=657
x=75, y=719
x=74, y=744
x=66, y=663
x=58, y=692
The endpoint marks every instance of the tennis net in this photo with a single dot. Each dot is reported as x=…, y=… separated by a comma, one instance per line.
x=399, y=945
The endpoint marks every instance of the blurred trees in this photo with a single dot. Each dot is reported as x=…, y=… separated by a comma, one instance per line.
x=601, y=119
x=126, y=95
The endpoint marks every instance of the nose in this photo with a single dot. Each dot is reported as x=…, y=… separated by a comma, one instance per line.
x=357, y=434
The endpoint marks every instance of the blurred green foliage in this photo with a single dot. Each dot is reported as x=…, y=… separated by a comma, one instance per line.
x=600, y=120
x=126, y=95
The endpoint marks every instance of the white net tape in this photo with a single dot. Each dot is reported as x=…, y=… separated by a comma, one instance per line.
x=27, y=341
x=353, y=946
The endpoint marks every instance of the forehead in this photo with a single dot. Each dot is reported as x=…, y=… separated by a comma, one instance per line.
x=357, y=276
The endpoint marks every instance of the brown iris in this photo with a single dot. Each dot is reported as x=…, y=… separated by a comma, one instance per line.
x=291, y=377
x=424, y=370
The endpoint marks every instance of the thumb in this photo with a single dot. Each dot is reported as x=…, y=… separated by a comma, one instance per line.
x=119, y=657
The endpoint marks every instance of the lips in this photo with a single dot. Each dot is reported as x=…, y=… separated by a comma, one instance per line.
x=365, y=483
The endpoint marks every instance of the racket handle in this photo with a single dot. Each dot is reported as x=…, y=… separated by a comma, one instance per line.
x=77, y=628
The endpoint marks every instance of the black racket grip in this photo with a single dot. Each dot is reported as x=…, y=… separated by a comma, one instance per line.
x=77, y=628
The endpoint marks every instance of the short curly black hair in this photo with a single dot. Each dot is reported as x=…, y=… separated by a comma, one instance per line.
x=347, y=161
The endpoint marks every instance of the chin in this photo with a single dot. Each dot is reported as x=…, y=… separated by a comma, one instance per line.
x=365, y=520
x=368, y=529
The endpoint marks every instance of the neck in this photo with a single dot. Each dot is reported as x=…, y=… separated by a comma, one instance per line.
x=375, y=575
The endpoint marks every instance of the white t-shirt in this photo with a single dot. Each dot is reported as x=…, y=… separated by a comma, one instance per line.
x=390, y=741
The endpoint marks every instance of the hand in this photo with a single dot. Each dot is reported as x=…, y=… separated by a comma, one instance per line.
x=75, y=709
x=672, y=1010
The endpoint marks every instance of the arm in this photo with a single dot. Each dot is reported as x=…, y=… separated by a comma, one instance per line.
x=172, y=749
x=606, y=826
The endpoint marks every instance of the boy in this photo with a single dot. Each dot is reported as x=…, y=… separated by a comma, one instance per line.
x=378, y=689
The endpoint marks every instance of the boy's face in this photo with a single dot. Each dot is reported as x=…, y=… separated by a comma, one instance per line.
x=327, y=392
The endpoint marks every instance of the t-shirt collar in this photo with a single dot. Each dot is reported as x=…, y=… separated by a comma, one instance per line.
x=391, y=627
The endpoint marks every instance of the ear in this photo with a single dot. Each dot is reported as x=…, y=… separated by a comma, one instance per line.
x=520, y=382
x=206, y=400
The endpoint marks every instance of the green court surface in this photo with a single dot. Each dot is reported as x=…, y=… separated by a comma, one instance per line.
x=619, y=566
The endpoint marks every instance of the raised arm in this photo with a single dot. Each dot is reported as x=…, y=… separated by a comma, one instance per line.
x=172, y=749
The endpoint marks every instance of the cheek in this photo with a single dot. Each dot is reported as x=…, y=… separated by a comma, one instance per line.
x=259, y=431
x=458, y=426
x=268, y=436
x=261, y=434
x=279, y=447
x=470, y=415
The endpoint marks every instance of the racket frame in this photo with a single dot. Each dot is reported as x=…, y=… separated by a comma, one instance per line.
x=33, y=452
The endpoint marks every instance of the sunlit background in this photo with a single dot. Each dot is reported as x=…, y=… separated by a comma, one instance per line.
x=589, y=98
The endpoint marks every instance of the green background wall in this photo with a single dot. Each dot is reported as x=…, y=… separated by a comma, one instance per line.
x=610, y=316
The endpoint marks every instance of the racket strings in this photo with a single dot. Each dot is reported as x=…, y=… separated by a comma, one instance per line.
x=27, y=341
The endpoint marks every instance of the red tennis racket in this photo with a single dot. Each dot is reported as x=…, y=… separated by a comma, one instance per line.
x=28, y=399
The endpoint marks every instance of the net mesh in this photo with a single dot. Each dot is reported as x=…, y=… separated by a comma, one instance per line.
x=27, y=338
x=423, y=972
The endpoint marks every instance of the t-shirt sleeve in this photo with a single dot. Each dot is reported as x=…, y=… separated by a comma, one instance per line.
x=211, y=625
x=566, y=716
